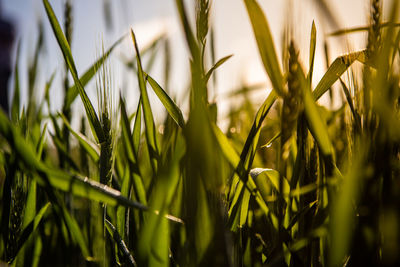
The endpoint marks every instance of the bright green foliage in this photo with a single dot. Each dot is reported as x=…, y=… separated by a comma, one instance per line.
x=267, y=191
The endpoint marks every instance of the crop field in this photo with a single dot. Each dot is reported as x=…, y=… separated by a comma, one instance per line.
x=289, y=182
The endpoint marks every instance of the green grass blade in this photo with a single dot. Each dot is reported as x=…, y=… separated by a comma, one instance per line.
x=137, y=128
x=168, y=103
x=265, y=44
x=216, y=65
x=15, y=107
x=190, y=39
x=147, y=113
x=126, y=133
x=317, y=126
x=66, y=51
x=248, y=152
x=73, y=91
x=91, y=149
x=336, y=69
x=41, y=142
x=313, y=42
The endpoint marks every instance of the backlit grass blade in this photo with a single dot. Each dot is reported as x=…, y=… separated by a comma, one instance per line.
x=168, y=103
x=265, y=44
x=137, y=128
x=273, y=177
x=248, y=152
x=147, y=113
x=64, y=46
x=15, y=107
x=360, y=29
x=89, y=74
x=313, y=42
x=190, y=39
x=316, y=125
x=91, y=149
x=336, y=69
x=216, y=65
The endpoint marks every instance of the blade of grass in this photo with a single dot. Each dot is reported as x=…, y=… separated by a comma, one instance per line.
x=15, y=107
x=66, y=51
x=313, y=42
x=265, y=44
x=216, y=65
x=147, y=113
x=91, y=149
x=336, y=69
x=168, y=103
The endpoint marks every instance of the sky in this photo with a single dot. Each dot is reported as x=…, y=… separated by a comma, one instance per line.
x=151, y=17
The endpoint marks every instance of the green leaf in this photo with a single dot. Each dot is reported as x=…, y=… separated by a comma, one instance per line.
x=168, y=103
x=95, y=125
x=317, y=126
x=216, y=65
x=91, y=149
x=313, y=42
x=137, y=128
x=89, y=73
x=265, y=44
x=15, y=107
x=147, y=113
x=335, y=70
x=273, y=177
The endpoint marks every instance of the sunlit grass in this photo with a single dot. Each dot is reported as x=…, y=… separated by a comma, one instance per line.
x=290, y=182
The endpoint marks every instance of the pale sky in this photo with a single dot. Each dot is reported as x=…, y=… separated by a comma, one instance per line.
x=149, y=18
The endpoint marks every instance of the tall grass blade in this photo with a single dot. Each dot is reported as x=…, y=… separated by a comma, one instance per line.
x=147, y=113
x=90, y=112
x=15, y=107
x=265, y=44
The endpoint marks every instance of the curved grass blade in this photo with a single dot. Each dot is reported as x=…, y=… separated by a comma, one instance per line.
x=216, y=65
x=273, y=177
x=335, y=70
x=168, y=103
x=147, y=113
x=95, y=125
x=91, y=149
x=265, y=44
x=129, y=261
x=73, y=91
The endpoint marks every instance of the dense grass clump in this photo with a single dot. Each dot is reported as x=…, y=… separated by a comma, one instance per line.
x=290, y=182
